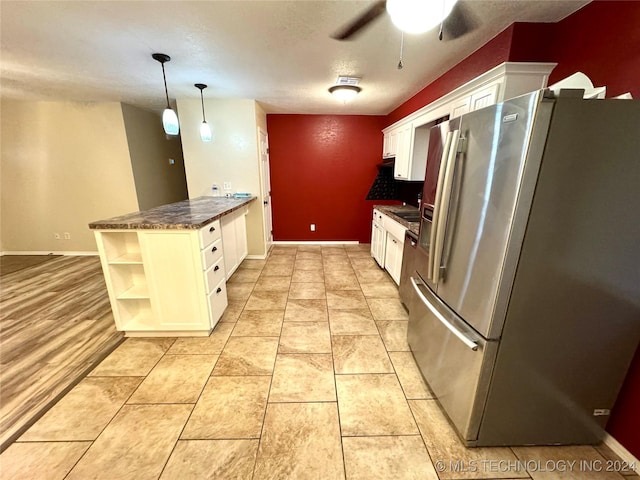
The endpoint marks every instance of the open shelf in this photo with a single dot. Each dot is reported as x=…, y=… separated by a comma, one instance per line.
x=135, y=314
x=133, y=258
x=134, y=292
x=121, y=247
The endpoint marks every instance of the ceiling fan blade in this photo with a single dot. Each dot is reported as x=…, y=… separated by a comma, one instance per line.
x=459, y=22
x=373, y=12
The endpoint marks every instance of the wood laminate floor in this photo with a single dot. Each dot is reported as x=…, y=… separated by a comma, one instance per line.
x=55, y=326
x=13, y=263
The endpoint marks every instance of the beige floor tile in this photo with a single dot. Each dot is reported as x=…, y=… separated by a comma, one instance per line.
x=363, y=261
x=444, y=446
x=135, y=445
x=387, y=309
x=307, y=291
x=370, y=275
x=337, y=265
x=373, y=405
x=229, y=407
x=277, y=270
x=239, y=291
x=280, y=259
x=303, y=378
x=247, y=356
x=305, y=248
x=411, y=380
x=211, y=345
x=277, y=250
x=307, y=276
x=38, y=461
x=252, y=264
x=344, y=280
x=352, y=322
x=305, y=337
x=345, y=299
x=83, y=412
x=259, y=323
x=360, y=354
x=211, y=460
x=273, y=284
x=574, y=459
x=175, y=379
x=314, y=310
x=394, y=335
x=380, y=289
x=300, y=441
x=308, y=255
x=266, y=301
x=383, y=458
x=329, y=250
x=134, y=358
x=233, y=311
x=309, y=264
x=245, y=275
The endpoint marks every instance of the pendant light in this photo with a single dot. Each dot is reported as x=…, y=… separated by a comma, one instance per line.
x=169, y=117
x=205, y=129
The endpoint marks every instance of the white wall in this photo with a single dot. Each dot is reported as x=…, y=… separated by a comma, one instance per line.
x=231, y=157
x=64, y=165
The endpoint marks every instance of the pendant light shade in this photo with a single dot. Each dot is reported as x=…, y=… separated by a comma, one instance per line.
x=169, y=117
x=205, y=129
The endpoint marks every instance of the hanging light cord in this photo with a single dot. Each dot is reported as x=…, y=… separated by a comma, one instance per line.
x=166, y=92
x=202, y=102
x=400, y=65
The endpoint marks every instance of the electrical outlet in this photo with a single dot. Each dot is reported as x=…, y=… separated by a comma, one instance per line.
x=56, y=236
x=67, y=236
x=313, y=227
x=226, y=185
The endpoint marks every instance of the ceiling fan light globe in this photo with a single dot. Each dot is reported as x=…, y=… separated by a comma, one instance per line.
x=170, y=122
x=418, y=16
x=205, y=132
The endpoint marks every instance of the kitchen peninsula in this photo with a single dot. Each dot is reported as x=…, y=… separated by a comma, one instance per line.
x=166, y=268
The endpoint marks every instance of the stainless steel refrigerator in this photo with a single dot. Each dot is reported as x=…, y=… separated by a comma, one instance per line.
x=526, y=307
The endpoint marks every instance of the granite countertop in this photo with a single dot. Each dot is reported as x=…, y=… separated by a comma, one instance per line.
x=187, y=214
x=391, y=211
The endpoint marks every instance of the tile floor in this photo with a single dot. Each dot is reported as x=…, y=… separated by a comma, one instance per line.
x=307, y=376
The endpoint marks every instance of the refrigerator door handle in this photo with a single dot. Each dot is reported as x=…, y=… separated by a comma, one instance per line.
x=445, y=200
x=438, y=205
x=461, y=336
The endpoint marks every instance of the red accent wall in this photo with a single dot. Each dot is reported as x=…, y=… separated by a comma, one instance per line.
x=322, y=167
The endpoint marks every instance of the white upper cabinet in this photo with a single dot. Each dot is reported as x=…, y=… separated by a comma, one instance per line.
x=390, y=144
x=402, y=166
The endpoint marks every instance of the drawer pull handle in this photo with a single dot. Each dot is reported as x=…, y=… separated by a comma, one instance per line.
x=212, y=229
x=218, y=290
x=214, y=249
x=216, y=268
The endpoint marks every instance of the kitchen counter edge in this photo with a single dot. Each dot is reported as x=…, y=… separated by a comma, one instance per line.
x=390, y=210
x=191, y=214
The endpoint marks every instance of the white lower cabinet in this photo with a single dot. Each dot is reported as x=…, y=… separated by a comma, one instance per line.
x=387, y=244
x=164, y=282
x=234, y=239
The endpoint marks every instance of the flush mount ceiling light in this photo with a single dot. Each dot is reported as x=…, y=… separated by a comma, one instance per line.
x=205, y=129
x=169, y=117
x=346, y=88
x=418, y=16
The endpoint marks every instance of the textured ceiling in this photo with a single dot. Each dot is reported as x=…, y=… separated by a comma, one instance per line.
x=277, y=52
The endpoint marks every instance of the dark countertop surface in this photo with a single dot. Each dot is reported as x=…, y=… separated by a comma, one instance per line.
x=391, y=210
x=188, y=214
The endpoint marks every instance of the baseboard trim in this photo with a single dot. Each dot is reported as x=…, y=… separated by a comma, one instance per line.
x=66, y=253
x=256, y=257
x=349, y=242
x=620, y=450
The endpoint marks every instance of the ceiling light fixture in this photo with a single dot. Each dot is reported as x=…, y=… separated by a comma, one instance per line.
x=418, y=16
x=169, y=117
x=346, y=88
x=205, y=129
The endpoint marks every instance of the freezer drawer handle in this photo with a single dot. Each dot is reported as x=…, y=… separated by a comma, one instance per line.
x=469, y=343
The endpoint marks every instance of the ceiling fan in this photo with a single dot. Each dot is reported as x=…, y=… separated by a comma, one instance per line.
x=415, y=16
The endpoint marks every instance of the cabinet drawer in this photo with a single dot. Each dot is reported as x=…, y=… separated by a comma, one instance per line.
x=217, y=302
x=213, y=276
x=209, y=233
x=211, y=254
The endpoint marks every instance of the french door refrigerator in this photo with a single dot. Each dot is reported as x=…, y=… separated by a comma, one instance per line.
x=527, y=308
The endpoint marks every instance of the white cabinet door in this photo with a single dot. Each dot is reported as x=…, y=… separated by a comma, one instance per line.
x=378, y=241
x=241, y=236
x=229, y=244
x=460, y=106
x=393, y=257
x=390, y=144
x=484, y=97
x=402, y=166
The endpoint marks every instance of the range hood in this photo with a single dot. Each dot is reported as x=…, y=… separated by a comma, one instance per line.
x=384, y=185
